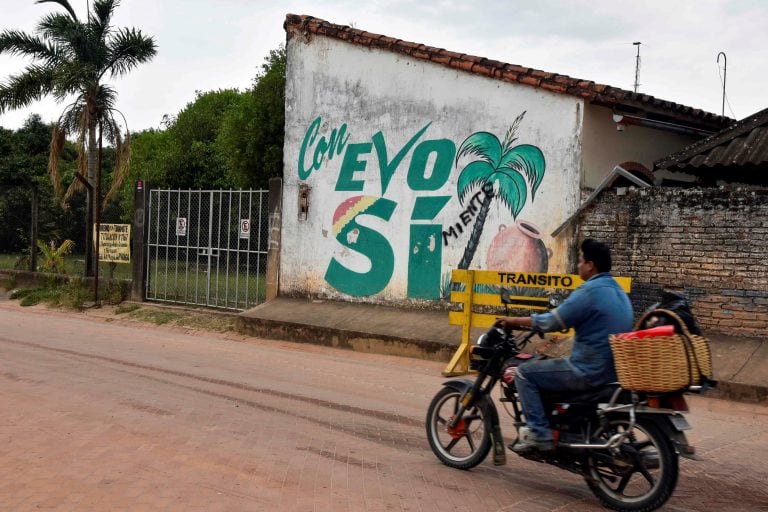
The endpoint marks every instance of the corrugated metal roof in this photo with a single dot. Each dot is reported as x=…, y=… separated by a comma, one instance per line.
x=741, y=145
x=598, y=94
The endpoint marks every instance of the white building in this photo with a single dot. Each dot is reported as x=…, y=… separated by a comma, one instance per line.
x=397, y=154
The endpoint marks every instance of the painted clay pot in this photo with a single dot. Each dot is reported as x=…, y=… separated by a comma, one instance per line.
x=518, y=248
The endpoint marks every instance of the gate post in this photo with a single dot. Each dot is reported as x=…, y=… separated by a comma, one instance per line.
x=275, y=206
x=139, y=242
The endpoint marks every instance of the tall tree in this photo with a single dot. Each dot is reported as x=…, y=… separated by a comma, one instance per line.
x=501, y=171
x=252, y=132
x=72, y=57
x=23, y=169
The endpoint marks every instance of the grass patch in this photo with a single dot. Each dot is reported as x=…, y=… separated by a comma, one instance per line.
x=217, y=323
x=8, y=283
x=72, y=295
x=74, y=265
x=126, y=308
x=35, y=296
x=154, y=316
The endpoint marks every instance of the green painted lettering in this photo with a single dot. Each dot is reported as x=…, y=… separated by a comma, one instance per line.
x=369, y=243
x=387, y=168
x=445, y=151
x=427, y=208
x=351, y=165
x=309, y=139
x=425, y=258
x=325, y=148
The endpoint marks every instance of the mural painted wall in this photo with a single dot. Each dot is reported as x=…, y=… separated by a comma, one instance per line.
x=413, y=169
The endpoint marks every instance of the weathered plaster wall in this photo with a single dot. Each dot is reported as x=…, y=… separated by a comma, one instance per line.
x=605, y=147
x=375, y=136
x=712, y=243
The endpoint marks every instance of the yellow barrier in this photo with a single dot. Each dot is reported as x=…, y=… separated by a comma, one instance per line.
x=467, y=318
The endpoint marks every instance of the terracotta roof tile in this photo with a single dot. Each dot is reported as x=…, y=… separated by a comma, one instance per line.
x=464, y=64
x=553, y=86
x=599, y=94
x=529, y=80
x=536, y=73
x=483, y=68
x=441, y=59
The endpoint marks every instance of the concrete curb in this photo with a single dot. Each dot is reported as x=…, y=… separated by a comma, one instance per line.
x=276, y=320
x=345, y=339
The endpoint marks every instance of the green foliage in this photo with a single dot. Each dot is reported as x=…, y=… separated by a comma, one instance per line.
x=252, y=131
x=113, y=292
x=223, y=139
x=33, y=297
x=53, y=257
x=195, y=161
x=8, y=282
x=23, y=166
x=74, y=295
x=151, y=162
x=72, y=57
x=126, y=308
x=155, y=316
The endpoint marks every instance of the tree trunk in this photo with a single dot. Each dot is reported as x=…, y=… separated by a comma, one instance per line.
x=477, y=230
x=90, y=258
x=33, y=232
x=97, y=215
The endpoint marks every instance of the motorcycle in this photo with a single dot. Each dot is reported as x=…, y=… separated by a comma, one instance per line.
x=625, y=444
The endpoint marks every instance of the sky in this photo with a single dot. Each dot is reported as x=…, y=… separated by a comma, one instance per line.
x=206, y=45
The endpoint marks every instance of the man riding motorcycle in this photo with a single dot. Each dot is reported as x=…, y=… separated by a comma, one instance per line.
x=596, y=309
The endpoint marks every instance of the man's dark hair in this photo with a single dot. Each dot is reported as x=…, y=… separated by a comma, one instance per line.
x=598, y=253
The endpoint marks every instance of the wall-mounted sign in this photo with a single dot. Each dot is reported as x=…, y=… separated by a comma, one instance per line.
x=115, y=243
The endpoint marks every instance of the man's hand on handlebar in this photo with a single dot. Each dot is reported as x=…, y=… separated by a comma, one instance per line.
x=509, y=323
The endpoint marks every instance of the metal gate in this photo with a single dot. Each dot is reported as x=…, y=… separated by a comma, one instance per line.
x=208, y=247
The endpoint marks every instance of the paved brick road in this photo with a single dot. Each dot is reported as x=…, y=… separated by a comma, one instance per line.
x=117, y=416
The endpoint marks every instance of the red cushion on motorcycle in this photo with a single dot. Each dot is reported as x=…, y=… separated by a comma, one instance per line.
x=662, y=330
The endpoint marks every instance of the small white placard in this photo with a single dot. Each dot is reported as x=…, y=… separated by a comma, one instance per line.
x=245, y=228
x=181, y=226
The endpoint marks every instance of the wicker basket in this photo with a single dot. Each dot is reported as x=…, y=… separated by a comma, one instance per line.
x=663, y=363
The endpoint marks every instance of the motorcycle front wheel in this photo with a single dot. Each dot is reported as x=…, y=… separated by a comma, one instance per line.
x=641, y=475
x=467, y=444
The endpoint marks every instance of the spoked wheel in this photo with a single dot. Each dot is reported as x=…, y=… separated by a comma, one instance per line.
x=641, y=475
x=467, y=444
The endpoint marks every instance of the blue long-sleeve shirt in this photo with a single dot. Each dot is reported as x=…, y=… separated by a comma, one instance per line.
x=596, y=309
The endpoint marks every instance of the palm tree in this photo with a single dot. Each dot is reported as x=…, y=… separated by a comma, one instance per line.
x=53, y=257
x=72, y=57
x=503, y=171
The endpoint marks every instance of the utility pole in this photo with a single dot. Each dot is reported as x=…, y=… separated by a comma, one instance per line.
x=637, y=66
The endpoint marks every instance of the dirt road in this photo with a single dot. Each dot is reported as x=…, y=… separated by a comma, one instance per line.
x=100, y=415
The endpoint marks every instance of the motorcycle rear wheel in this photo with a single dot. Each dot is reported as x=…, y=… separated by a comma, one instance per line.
x=464, y=446
x=642, y=476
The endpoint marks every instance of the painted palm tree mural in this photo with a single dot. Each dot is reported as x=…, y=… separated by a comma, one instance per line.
x=503, y=171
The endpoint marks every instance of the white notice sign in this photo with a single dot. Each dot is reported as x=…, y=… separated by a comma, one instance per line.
x=181, y=226
x=245, y=228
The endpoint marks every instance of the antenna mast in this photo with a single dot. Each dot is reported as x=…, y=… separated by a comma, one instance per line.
x=637, y=66
x=725, y=71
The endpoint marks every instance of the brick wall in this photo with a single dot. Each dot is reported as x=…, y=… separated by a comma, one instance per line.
x=712, y=243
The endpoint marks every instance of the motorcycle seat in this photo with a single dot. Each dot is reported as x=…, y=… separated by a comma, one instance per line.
x=595, y=395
